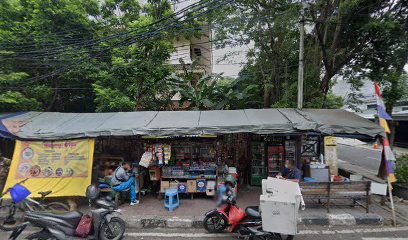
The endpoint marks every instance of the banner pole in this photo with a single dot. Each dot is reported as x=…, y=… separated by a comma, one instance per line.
x=392, y=202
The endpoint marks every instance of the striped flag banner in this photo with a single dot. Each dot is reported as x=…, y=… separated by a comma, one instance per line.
x=389, y=159
x=383, y=116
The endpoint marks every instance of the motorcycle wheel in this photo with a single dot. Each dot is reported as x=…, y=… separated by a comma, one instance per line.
x=56, y=206
x=113, y=230
x=215, y=223
x=41, y=235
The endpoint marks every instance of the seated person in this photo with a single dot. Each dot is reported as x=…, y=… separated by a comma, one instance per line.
x=227, y=191
x=290, y=172
x=122, y=180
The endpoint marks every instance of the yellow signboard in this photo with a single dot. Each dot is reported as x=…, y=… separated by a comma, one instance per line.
x=65, y=167
x=330, y=141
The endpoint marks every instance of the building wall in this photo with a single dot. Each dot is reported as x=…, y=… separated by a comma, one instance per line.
x=190, y=49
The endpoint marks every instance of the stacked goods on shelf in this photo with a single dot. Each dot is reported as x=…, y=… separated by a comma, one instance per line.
x=275, y=160
x=290, y=150
x=257, y=163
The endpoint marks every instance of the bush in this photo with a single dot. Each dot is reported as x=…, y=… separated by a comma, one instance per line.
x=401, y=169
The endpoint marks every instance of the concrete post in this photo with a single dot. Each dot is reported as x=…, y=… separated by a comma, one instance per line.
x=330, y=153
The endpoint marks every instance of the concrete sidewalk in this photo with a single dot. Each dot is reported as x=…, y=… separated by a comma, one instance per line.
x=150, y=213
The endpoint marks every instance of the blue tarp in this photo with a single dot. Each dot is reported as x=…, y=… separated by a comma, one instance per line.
x=4, y=133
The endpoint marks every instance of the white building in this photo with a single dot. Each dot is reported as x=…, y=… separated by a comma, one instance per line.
x=190, y=49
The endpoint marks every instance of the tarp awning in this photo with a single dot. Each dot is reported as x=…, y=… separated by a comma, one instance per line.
x=54, y=125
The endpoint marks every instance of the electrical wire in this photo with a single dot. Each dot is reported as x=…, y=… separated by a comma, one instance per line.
x=58, y=71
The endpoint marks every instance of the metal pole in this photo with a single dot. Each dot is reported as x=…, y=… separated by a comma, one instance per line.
x=301, y=56
x=394, y=221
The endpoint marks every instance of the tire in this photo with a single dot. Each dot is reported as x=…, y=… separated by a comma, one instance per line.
x=56, y=206
x=290, y=237
x=42, y=235
x=9, y=222
x=215, y=223
x=117, y=225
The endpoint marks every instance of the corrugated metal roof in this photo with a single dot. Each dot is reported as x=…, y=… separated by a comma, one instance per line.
x=54, y=125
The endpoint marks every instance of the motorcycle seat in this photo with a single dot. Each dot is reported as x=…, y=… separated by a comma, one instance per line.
x=43, y=194
x=72, y=217
x=253, y=212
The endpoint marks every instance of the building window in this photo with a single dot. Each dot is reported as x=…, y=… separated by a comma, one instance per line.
x=197, y=52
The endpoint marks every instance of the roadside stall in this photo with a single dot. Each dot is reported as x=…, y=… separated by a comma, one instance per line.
x=192, y=150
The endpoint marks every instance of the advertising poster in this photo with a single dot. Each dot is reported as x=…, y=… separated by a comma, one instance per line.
x=65, y=167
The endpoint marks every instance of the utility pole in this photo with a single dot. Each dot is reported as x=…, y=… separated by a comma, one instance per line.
x=301, y=55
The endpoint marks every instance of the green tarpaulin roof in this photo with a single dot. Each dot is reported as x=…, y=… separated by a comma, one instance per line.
x=54, y=125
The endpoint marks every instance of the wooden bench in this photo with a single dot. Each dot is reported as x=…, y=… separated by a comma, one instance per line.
x=118, y=195
x=329, y=191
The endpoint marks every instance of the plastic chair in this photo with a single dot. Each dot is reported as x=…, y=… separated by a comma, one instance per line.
x=171, y=199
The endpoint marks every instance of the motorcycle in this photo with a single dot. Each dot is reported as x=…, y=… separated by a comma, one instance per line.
x=106, y=222
x=248, y=223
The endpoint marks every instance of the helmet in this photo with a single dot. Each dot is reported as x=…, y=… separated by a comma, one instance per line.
x=230, y=179
x=92, y=192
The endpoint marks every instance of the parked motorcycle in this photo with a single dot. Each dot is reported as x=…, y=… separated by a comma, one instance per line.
x=106, y=221
x=248, y=223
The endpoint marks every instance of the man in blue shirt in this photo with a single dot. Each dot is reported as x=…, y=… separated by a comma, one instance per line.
x=122, y=180
x=291, y=172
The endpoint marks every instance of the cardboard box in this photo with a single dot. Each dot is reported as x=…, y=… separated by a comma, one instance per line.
x=201, y=185
x=173, y=185
x=210, y=191
x=164, y=185
x=182, y=187
x=191, y=186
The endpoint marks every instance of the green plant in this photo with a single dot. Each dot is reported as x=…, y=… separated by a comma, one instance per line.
x=401, y=169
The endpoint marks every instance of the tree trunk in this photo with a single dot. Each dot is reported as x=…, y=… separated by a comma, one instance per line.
x=324, y=85
x=275, y=79
x=267, y=94
x=51, y=107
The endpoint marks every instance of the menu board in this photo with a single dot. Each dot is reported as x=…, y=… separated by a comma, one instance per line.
x=53, y=159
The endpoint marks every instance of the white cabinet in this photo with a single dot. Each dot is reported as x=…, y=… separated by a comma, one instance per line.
x=279, y=206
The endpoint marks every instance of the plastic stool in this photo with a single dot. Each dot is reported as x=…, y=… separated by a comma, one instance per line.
x=171, y=199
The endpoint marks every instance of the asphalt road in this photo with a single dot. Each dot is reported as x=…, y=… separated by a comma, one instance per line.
x=306, y=233
x=370, y=159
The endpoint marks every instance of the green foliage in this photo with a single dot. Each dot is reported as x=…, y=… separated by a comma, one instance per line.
x=401, y=169
x=16, y=101
x=212, y=91
x=354, y=39
x=109, y=76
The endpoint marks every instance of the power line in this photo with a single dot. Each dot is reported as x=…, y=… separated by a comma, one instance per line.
x=58, y=71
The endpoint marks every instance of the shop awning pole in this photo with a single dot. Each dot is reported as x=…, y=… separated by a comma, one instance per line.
x=394, y=221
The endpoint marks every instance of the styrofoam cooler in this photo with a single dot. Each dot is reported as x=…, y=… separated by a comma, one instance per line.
x=280, y=210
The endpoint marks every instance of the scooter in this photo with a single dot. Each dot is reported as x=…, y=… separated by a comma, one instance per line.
x=248, y=223
x=106, y=223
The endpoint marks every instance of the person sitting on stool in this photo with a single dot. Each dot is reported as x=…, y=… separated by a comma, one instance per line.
x=291, y=172
x=122, y=179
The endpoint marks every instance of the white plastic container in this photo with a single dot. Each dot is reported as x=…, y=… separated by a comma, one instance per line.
x=279, y=204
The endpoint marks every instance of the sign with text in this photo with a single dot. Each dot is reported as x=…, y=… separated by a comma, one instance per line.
x=65, y=167
x=53, y=159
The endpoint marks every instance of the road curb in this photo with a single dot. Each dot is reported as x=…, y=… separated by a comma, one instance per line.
x=197, y=221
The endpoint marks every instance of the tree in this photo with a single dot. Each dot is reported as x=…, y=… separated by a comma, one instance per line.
x=350, y=31
x=134, y=76
x=211, y=92
x=29, y=28
x=343, y=32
